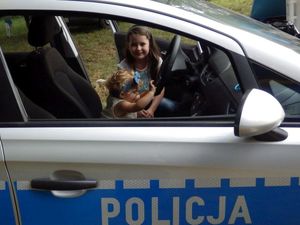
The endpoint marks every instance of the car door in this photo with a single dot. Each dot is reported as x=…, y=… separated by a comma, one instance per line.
x=188, y=170
x=151, y=173
x=185, y=174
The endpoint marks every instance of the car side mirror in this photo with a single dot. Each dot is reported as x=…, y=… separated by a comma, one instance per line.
x=260, y=115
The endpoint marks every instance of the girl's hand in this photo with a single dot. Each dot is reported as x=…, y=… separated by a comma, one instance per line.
x=142, y=114
x=145, y=114
x=152, y=86
x=150, y=113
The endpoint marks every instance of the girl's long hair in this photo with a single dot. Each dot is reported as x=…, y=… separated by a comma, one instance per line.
x=154, y=51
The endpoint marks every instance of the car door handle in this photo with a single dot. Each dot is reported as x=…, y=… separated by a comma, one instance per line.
x=62, y=185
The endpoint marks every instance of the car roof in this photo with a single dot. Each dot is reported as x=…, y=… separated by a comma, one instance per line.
x=260, y=42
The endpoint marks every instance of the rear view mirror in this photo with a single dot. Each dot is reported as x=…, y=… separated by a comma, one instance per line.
x=259, y=114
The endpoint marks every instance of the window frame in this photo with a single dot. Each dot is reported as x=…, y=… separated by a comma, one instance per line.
x=12, y=109
x=223, y=120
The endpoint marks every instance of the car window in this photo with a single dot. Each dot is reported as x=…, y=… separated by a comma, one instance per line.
x=67, y=85
x=285, y=90
x=219, y=94
x=97, y=50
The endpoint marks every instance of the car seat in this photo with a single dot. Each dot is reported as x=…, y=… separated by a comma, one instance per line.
x=33, y=110
x=54, y=85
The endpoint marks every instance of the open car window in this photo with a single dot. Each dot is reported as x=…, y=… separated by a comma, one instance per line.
x=205, y=83
x=202, y=82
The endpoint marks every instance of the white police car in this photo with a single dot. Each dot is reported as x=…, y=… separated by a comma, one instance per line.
x=230, y=155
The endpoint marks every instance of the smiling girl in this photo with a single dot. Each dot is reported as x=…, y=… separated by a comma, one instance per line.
x=142, y=56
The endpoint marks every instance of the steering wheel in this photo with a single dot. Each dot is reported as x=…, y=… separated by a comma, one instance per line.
x=166, y=66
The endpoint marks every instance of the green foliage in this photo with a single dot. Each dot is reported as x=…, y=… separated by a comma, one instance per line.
x=18, y=41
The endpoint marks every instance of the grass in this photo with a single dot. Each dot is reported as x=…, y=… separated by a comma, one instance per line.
x=241, y=6
x=18, y=42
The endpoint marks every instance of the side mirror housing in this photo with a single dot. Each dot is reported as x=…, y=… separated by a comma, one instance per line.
x=259, y=114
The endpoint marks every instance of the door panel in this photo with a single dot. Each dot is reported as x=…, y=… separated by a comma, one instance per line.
x=154, y=175
x=6, y=207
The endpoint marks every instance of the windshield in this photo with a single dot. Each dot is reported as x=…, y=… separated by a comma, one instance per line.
x=230, y=18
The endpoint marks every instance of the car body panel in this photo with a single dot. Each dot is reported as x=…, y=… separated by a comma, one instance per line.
x=65, y=145
x=7, y=215
x=133, y=183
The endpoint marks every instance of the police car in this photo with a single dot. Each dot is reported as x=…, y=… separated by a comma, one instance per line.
x=230, y=155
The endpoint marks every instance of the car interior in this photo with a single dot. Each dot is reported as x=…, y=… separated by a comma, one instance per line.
x=53, y=85
x=45, y=79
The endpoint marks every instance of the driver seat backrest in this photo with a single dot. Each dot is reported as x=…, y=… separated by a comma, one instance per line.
x=34, y=111
x=55, y=86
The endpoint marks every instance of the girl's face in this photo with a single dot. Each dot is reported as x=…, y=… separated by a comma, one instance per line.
x=139, y=46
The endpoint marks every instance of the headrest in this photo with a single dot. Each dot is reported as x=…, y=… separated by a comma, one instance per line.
x=42, y=30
